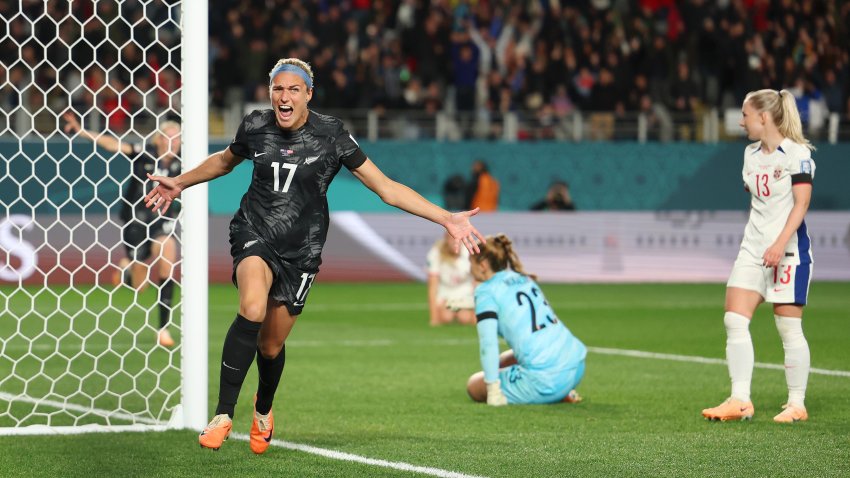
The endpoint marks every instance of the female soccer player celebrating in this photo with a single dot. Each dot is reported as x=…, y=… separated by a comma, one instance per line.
x=546, y=361
x=775, y=261
x=277, y=235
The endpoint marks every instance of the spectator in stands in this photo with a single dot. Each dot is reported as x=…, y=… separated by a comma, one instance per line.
x=146, y=236
x=557, y=198
x=684, y=100
x=450, y=284
x=483, y=188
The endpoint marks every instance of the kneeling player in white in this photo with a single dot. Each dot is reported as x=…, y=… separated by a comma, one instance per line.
x=775, y=261
x=450, y=284
x=546, y=361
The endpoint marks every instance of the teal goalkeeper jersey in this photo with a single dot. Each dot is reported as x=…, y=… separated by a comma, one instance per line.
x=512, y=306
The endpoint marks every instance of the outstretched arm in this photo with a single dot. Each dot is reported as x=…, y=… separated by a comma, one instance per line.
x=216, y=165
x=400, y=196
x=105, y=141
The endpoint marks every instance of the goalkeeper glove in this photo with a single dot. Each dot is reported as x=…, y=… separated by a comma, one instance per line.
x=495, y=397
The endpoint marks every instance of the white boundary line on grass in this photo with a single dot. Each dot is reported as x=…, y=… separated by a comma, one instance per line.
x=79, y=408
x=339, y=455
x=707, y=360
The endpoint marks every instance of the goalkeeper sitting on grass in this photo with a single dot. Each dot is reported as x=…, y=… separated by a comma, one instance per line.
x=546, y=361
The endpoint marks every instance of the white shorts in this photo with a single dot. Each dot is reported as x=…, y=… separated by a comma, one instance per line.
x=784, y=284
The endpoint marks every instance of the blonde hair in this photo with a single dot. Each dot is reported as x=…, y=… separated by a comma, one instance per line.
x=295, y=62
x=782, y=108
x=447, y=250
x=499, y=252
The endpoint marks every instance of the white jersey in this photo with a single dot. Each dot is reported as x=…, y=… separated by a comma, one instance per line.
x=769, y=179
x=455, y=283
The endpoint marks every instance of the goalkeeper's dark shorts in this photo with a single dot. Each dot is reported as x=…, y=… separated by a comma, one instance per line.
x=290, y=284
x=138, y=236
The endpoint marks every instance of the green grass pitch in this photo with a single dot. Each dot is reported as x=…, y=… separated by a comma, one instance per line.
x=366, y=375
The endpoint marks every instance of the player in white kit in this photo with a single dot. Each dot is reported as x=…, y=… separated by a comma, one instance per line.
x=450, y=284
x=775, y=261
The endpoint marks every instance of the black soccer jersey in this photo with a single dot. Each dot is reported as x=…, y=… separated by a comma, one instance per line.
x=286, y=204
x=145, y=160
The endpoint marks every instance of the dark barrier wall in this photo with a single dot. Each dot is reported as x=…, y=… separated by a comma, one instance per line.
x=602, y=176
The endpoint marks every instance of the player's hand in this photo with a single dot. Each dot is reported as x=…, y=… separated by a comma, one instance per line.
x=72, y=124
x=462, y=230
x=773, y=255
x=495, y=397
x=162, y=194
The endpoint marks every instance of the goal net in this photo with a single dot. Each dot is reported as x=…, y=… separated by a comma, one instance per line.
x=79, y=349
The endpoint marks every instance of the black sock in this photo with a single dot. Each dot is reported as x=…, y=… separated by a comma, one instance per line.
x=166, y=292
x=240, y=345
x=270, y=372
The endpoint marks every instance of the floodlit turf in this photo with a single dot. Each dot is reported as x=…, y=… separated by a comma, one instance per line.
x=365, y=375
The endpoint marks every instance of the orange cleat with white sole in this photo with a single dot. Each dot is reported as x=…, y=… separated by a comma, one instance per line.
x=730, y=409
x=572, y=397
x=216, y=432
x=164, y=338
x=261, y=431
x=791, y=414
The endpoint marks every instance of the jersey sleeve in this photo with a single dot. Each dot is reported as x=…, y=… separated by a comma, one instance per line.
x=801, y=167
x=239, y=145
x=348, y=151
x=487, y=314
x=488, y=346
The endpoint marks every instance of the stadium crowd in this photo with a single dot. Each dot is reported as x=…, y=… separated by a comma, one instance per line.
x=544, y=59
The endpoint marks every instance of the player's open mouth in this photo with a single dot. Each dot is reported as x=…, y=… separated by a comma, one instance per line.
x=284, y=111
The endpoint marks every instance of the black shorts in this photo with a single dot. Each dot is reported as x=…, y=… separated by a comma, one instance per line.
x=290, y=285
x=138, y=236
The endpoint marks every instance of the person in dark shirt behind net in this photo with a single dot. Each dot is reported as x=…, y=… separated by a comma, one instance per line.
x=277, y=235
x=144, y=234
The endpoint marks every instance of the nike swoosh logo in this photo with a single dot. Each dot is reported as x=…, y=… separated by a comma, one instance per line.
x=249, y=244
x=269, y=438
x=257, y=154
x=311, y=159
x=778, y=290
x=228, y=366
x=743, y=409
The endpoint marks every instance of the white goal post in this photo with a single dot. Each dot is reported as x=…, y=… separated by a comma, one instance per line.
x=79, y=354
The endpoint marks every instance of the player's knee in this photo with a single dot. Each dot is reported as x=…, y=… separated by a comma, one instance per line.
x=475, y=387
x=270, y=348
x=466, y=317
x=253, y=310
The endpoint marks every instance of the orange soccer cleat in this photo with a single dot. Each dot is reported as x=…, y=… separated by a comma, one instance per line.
x=261, y=431
x=216, y=432
x=730, y=409
x=791, y=414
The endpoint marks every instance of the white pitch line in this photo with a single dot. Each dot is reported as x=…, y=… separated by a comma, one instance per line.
x=339, y=455
x=79, y=408
x=706, y=360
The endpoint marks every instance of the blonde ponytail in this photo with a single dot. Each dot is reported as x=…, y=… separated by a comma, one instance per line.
x=789, y=123
x=782, y=108
x=499, y=252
